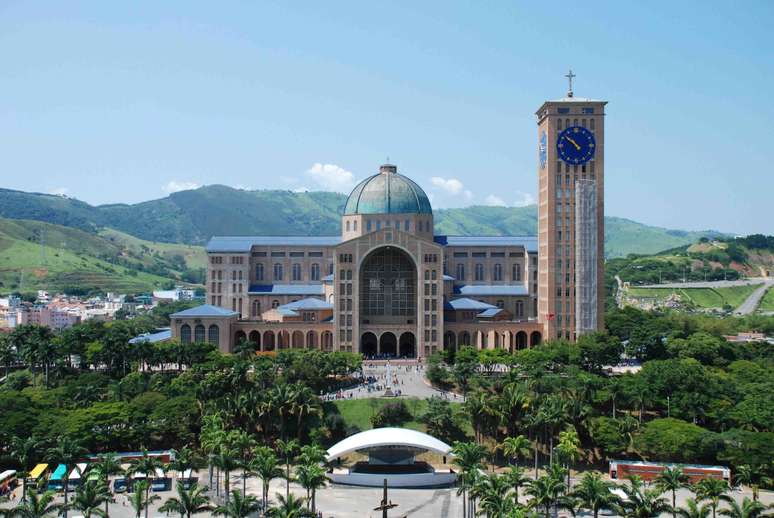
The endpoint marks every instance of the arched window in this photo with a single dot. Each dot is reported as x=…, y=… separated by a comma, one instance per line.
x=296, y=272
x=274, y=304
x=259, y=272
x=314, y=273
x=185, y=334
x=479, y=272
x=256, y=308
x=213, y=335
x=498, y=272
x=347, y=225
x=354, y=225
x=199, y=334
x=277, y=272
x=519, y=308
x=460, y=272
x=516, y=272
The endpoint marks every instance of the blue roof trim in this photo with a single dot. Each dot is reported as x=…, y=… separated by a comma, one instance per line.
x=530, y=243
x=468, y=304
x=287, y=289
x=205, y=310
x=243, y=244
x=483, y=290
x=490, y=312
x=159, y=335
x=310, y=304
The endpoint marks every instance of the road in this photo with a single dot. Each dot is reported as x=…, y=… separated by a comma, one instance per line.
x=707, y=284
x=749, y=306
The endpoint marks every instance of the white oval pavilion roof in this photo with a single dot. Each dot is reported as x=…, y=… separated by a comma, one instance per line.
x=387, y=437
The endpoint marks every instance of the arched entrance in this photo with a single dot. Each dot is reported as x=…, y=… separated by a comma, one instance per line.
x=408, y=345
x=388, y=345
x=465, y=339
x=534, y=339
x=283, y=339
x=521, y=340
x=268, y=341
x=368, y=345
x=388, y=287
x=449, y=341
x=298, y=340
x=255, y=337
x=327, y=340
x=239, y=337
x=311, y=340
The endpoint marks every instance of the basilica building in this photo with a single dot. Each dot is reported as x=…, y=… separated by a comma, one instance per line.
x=387, y=286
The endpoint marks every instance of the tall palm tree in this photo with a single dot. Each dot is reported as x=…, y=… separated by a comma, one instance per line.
x=713, y=489
x=107, y=465
x=747, y=509
x=287, y=450
x=693, y=510
x=305, y=404
x=238, y=506
x=545, y=492
x=641, y=502
x=594, y=493
x=311, y=453
x=290, y=507
x=243, y=445
x=468, y=457
x=226, y=460
x=23, y=451
x=493, y=492
x=515, y=448
x=518, y=478
x=672, y=479
x=36, y=505
x=140, y=499
x=266, y=466
x=146, y=465
x=67, y=452
x=569, y=449
x=89, y=498
x=753, y=477
x=312, y=477
x=188, y=501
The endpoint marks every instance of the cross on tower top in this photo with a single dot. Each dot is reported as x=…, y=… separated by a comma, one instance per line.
x=569, y=77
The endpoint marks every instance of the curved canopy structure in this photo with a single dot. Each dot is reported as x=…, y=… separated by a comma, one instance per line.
x=380, y=437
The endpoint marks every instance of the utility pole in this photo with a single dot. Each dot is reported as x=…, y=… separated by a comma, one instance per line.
x=385, y=505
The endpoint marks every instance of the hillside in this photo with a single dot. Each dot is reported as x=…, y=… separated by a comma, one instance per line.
x=194, y=216
x=36, y=255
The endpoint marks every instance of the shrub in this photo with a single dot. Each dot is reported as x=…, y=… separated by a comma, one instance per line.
x=391, y=414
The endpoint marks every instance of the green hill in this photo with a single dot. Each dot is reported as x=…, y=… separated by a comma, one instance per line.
x=36, y=255
x=194, y=216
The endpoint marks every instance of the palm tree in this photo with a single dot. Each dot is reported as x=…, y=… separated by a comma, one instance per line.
x=290, y=507
x=545, y=492
x=67, y=452
x=568, y=449
x=148, y=466
x=107, y=465
x=36, y=505
x=693, y=510
x=468, y=457
x=188, y=501
x=305, y=404
x=641, y=502
x=494, y=495
x=140, y=502
x=311, y=453
x=714, y=490
x=287, y=449
x=594, y=493
x=672, y=479
x=266, y=466
x=515, y=448
x=243, y=445
x=238, y=506
x=753, y=477
x=748, y=509
x=23, y=451
x=90, y=497
x=312, y=477
x=517, y=477
x=226, y=461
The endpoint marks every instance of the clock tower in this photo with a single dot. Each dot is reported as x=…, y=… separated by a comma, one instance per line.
x=571, y=166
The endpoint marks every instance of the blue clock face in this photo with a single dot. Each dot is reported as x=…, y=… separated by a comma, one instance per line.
x=576, y=145
x=542, y=149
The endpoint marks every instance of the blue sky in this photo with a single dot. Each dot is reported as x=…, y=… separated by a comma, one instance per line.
x=126, y=101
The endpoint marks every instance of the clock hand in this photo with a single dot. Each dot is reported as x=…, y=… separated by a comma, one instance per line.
x=573, y=143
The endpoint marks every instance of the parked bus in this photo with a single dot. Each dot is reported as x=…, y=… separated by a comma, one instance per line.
x=121, y=483
x=56, y=481
x=186, y=478
x=37, y=473
x=621, y=469
x=7, y=481
x=76, y=476
x=160, y=482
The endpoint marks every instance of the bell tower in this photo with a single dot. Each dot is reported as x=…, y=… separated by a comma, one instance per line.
x=571, y=166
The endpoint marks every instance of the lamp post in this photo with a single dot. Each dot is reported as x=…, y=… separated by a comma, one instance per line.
x=385, y=505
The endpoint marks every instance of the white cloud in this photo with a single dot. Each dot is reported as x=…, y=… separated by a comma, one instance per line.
x=60, y=191
x=451, y=186
x=331, y=177
x=175, y=186
x=494, y=200
x=524, y=199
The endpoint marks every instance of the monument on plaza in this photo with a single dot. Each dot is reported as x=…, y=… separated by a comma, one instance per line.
x=388, y=382
x=405, y=458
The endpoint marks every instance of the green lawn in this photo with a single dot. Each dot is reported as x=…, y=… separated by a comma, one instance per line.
x=767, y=302
x=701, y=297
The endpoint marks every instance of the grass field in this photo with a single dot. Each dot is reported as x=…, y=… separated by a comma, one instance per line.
x=195, y=256
x=767, y=302
x=358, y=412
x=701, y=297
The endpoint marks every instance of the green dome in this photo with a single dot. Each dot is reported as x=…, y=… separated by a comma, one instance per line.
x=387, y=193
